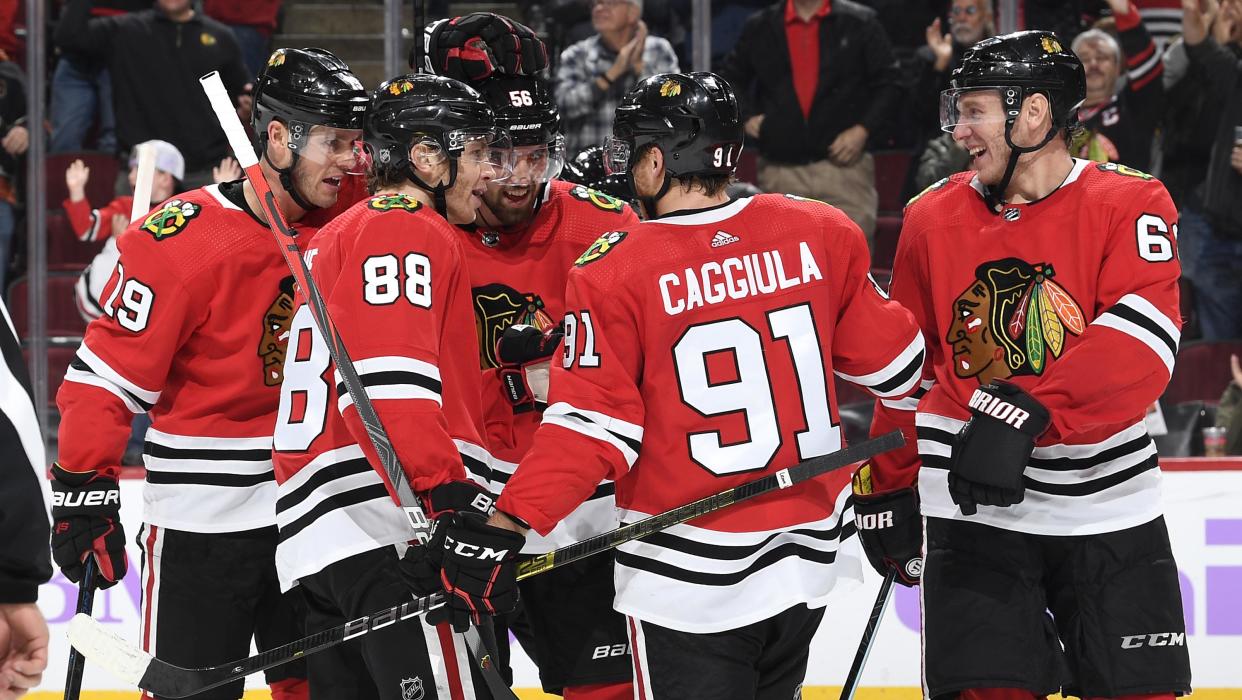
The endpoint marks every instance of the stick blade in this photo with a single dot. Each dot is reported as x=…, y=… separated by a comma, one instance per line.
x=115, y=655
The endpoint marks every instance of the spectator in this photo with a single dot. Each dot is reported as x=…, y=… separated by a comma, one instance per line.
x=816, y=78
x=252, y=22
x=970, y=21
x=1229, y=412
x=596, y=72
x=14, y=140
x=156, y=57
x=25, y=560
x=1219, y=267
x=728, y=17
x=1119, y=117
x=82, y=91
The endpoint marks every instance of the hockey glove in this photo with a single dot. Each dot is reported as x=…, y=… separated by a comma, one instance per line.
x=990, y=452
x=420, y=567
x=525, y=352
x=890, y=528
x=474, y=46
x=479, y=572
x=86, y=520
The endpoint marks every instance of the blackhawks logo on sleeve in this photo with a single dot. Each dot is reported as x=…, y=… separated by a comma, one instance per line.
x=394, y=202
x=1011, y=320
x=601, y=247
x=597, y=198
x=170, y=219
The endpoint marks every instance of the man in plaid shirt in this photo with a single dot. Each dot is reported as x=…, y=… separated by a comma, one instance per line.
x=596, y=72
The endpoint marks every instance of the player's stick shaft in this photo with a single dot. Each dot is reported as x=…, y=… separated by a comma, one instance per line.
x=143, y=181
x=868, y=638
x=86, y=602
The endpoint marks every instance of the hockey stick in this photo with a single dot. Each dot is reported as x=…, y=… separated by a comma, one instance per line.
x=868, y=638
x=86, y=603
x=246, y=156
x=129, y=663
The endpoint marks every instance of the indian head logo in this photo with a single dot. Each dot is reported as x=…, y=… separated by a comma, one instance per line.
x=498, y=306
x=1011, y=320
x=275, y=338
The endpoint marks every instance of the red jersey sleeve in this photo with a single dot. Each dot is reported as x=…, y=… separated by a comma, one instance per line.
x=95, y=224
x=123, y=362
x=593, y=427
x=390, y=302
x=899, y=468
x=1124, y=359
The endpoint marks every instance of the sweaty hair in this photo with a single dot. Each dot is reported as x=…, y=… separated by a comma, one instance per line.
x=711, y=185
x=384, y=176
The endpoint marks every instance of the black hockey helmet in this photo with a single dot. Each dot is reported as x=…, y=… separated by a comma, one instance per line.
x=303, y=88
x=525, y=108
x=424, y=108
x=587, y=168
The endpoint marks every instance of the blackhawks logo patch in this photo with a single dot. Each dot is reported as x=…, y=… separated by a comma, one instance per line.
x=498, y=306
x=1123, y=170
x=1012, y=320
x=930, y=188
x=601, y=247
x=274, y=338
x=276, y=59
x=670, y=88
x=170, y=219
x=596, y=198
x=398, y=202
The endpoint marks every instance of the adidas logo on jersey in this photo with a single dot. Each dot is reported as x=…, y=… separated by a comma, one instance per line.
x=722, y=239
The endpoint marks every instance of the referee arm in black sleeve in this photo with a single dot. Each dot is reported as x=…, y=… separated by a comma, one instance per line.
x=25, y=559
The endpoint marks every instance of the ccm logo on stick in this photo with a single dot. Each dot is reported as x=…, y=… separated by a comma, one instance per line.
x=87, y=498
x=1159, y=639
x=1000, y=410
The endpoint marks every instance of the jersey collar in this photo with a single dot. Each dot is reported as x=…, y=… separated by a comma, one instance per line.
x=708, y=215
x=1079, y=166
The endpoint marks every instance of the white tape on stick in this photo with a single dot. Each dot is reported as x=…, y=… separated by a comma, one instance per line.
x=142, y=183
x=226, y=114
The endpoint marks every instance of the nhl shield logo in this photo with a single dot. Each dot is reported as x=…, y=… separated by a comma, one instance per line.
x=412, y=689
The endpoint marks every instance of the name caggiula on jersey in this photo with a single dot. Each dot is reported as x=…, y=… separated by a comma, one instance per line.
x=753, y=274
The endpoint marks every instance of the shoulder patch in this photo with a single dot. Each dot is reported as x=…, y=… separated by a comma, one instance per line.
x=1123, y=170
x=601, y=247
x=597, y=198
x=799, y=198
x=930, y=188
x=394, y=202
x=170, y=219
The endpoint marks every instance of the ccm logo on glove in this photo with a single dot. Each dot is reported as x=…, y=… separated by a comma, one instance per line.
x=474, y=551
x=1000, y=410
x=75, y=499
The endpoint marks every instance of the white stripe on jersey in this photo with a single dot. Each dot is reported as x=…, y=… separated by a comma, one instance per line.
x=331, y=509
x=626, y=437
x=911, y=402
x=596, y=515
x=638, y=651
x=1078, y=489
x=1146, y=66
x=898, y=377
x=392, y=377
x=208, y=484
x=478, y=463
x=1137, y=317
x=701, y=581
x=91, y=369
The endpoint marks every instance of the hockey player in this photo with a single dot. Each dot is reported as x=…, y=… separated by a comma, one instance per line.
x=391, y=270
x=531, y=227
x=697, y=356
x=1046, y=287
x=195, y=325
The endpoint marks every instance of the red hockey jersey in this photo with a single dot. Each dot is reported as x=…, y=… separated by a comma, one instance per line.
x=392, y=274
x=696, y=358
x=197, y=316
x=519, y=277
x=1074, y=298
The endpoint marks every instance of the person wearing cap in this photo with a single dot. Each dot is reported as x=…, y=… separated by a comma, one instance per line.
x=596, y=72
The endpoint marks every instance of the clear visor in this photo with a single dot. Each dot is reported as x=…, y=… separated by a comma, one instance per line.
x=537, y=164
x=325, y=145
x=616, y=156
x=970, y=107
x=488, y=148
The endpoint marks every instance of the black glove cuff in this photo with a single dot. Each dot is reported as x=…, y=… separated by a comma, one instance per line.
x=459, y=497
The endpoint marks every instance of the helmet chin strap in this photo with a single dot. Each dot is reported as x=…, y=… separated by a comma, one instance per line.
x=649, y=203
x=286, y=178
x=996, y=195
x=437, y=191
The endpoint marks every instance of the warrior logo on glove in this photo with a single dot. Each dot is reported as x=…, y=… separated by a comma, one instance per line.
x=1010, y=319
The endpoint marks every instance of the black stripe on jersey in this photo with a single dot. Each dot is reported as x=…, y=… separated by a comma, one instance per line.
x=477, y=467
x=729, y=551
x=86, y=296
x=915, y=367
x=789, y=549
x=208, y=479
x=393, y=377
x=943, y=437
x=165, y=452
x=334, y=502
x=1086, y=488
x=80, y=365
x=1066, y=464
x=1140, y=319
x=633, y=444
x=339, y=470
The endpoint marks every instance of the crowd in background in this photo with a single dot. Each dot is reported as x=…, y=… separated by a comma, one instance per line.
x=850, y=78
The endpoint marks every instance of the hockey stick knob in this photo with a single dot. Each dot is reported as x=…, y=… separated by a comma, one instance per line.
x=117, y=656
